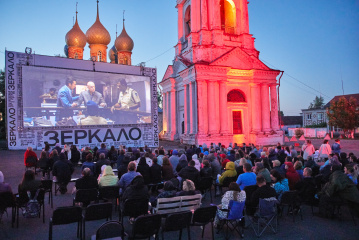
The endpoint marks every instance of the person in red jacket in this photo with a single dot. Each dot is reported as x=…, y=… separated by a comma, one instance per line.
x=30, y=153
x=292, y=175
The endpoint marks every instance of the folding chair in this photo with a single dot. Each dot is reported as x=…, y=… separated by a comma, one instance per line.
x=291, y=200
x=66, y=215
x=177, y=222
x=204, y=215
x=234, y=220
x=266, y=214
x=146, y=227
x=96, y=212
x=109, y=230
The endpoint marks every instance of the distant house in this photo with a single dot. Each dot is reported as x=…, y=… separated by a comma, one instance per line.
x=336, y=98
x=291, y=122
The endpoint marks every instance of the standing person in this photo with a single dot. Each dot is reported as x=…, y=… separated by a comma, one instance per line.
x=156, y=171
x=62, y=170
x=66, y=100
x=324, y=150
x=336, y=146
x=91, y=95
x=308, y=149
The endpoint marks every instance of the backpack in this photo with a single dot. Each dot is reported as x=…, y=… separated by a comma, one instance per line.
x=32, y=208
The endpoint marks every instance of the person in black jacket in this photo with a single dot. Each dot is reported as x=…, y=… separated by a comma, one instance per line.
x=75, y=155
x=263, y=191
x=86, y=181
x=206, y=171
x=136, y=190
x=156, y=171
x=62, y=170
x=306, y=188
x=190, y=172
x=182, y=163
x=144, y=169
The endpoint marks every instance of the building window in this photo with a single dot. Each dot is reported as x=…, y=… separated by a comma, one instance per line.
x=235, y=96
x=237, y=122
x=309, y=116
x=320, y=116
x=99, y=56
x=187, y=21
x=228, y=16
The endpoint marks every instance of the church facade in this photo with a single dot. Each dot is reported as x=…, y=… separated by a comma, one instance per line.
x=217, y=89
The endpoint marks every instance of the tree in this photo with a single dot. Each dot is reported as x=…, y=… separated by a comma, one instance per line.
x=159, y=98
x=344, y=114
x=318, y=102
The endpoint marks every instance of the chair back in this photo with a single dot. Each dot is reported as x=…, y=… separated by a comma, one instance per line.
x=235, y=210
x=228, y=181
x=98, y=211
x=178, y=221
x=109, y=192
x=204, y=214
x=46, y=185
x=249, y=190
x=110, y=229
x=267, y=207
x=289, y=197
x=205, y=183
x=7, y=199
x=135, y=207
x=31, y=161
x=146, y=226
x=86, y=195
x=66, y=215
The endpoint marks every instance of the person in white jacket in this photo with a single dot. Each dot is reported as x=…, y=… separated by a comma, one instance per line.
x=308, y=149
x=196, y=161
x=324, y=150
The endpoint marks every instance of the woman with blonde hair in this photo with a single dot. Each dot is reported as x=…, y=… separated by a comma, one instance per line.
x=188, y=188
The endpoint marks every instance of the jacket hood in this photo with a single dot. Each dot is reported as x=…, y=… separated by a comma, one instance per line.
x=138, y=182
x=183, y=157
x=108, y=171
x=230, y=166
x=290, y=167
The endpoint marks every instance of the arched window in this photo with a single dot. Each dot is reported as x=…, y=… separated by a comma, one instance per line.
x=99, y=56
x=235, y=96
x=228, y=16
x=187, y=21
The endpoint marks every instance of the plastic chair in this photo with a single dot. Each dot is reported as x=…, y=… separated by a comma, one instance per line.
x=108, y=230
x=204, y=215
x=7, y=200
x=85, y=196
x=266, y=214
x=109, y=193
x=47, y=186
x=146, y=226
x=133, y=208
x=234, y=218
x=205, y=186
x=177, y=222
x=96, y=212
x=66, y=215
x=291, y=200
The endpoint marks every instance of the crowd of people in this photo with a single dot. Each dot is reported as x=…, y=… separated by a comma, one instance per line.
x=268, y=171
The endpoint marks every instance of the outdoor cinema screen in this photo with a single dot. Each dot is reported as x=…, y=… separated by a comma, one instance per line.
x=56, y=97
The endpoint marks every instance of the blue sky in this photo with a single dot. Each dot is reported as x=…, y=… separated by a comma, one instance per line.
x=315, y=42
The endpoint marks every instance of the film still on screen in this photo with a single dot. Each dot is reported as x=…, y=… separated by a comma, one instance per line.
x=62, y=97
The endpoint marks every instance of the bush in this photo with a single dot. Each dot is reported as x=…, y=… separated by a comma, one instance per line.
x=298, y=132
x=320, y=125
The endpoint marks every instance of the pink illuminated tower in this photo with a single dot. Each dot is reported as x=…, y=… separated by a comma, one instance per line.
x=217, y=89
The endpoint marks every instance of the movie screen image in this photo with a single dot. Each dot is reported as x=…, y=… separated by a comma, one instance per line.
x=61, y=97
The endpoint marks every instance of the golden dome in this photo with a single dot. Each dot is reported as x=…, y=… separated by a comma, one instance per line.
x=123, y=42
x=97, y=33
x=111, y=53
x=75, y=37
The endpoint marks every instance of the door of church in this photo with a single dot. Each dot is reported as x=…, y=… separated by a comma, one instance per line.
x=237, y=122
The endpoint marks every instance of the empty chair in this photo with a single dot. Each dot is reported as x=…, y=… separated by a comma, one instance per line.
x=177, y=222
x=291, y=200
x=96, y=212
x=205, y=185
x=265, y=216
x=7, y=200
x=234, y=220
x=109, y=229
x=47, y=186
x=133, y=208
x=110, y=193
x=204, y=215
x=66, y=215
x=85, y=196
x=146, y=226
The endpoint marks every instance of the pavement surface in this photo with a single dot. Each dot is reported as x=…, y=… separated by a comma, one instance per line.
x=311, y=227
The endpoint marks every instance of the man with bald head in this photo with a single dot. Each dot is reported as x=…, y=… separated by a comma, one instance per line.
x=91, y=95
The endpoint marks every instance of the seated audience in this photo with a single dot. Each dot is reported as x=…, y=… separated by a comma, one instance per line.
x=298, y=166
x=108, y=177
x=247, y=178
x=280, y=183
x=261, y=171
x=306, y=187
x=30, y=153
x=123, y=167
x=144, y=169
x=188, y=188
x=351, y=170
x=292, y=175
x=89, y=164
x=136, y=190
x=75, y=155
x=28, y=183
x=127, y=178
x=44, y=163
x=174, y=159
x=87, y=181
x=167, y=170
x=190, y=172
x=182, y=163
x=196, y=161
x=156, y=171
x=230, y=172
x=169, y=190
x=263, y=191
x=206, y=171
x=62, y=170
x=100, y=162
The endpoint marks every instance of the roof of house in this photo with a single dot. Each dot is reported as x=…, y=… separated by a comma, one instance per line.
x=292, y=120
x=336, y=98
